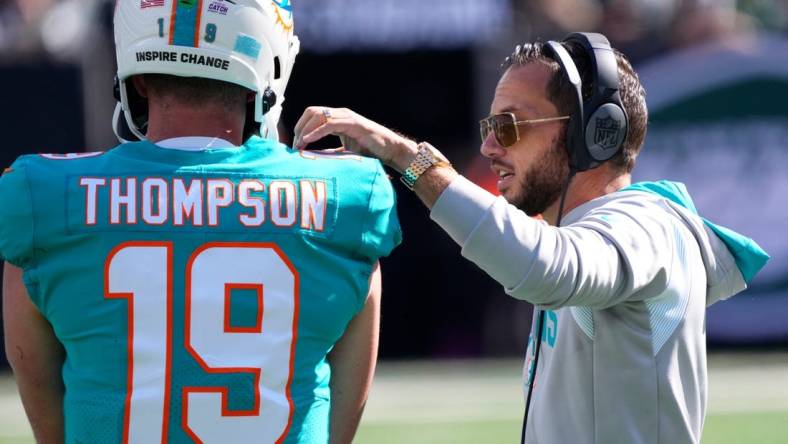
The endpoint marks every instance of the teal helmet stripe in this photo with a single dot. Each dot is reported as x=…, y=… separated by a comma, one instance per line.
x=185, y=23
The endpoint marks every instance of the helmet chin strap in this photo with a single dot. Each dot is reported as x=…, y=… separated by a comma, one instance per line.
x=272, y=111
x=269, y=128
x=119, y=126
x=267, y=108
x=137, y=131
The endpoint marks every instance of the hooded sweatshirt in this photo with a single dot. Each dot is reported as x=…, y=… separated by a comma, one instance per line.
x=624, y=283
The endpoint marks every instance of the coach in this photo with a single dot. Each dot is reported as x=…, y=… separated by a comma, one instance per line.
x=618, y=352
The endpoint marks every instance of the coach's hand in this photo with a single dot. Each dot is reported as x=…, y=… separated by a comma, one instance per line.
x=357, y=133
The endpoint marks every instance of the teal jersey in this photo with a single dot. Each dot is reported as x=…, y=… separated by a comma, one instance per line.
x=197, y=294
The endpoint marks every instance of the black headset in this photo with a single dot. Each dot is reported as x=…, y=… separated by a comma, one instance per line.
x=598, y=125
x=596, y=132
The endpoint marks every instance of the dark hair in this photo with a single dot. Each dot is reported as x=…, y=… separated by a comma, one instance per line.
x=559, y=91
x=197, y=90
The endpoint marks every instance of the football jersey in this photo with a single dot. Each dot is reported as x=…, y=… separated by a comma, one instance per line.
x=197, y=293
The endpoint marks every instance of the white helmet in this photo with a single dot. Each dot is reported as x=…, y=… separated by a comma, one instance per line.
x=246, y=42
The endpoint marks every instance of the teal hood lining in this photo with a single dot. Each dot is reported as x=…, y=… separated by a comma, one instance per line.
x=749, y=256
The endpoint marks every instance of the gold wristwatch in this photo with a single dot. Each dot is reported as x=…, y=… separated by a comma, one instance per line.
x=426, y=157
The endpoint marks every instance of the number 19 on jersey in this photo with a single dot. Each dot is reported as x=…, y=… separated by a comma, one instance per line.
x=142, y=273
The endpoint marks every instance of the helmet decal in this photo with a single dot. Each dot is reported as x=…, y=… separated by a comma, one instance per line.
x=150, y=3
x=284, y=14
x=186, y=23
x=220, y=6
x=247, y=46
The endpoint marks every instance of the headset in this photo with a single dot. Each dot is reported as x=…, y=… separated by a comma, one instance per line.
x=597, y=129
x=598, y=126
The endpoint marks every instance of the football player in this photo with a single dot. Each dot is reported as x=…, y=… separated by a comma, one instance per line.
x=203, y=284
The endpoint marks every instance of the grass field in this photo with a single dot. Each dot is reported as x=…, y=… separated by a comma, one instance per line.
x=480, y=402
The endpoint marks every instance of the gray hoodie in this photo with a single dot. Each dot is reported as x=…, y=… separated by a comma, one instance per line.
x=625, y=283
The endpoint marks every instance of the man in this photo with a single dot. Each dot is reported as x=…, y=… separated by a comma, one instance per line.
x=618, y=350
x=204, y=284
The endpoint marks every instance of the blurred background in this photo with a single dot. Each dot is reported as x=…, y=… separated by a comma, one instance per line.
x=716, y=75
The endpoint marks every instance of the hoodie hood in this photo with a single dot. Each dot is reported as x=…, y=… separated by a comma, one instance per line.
x=720, y=246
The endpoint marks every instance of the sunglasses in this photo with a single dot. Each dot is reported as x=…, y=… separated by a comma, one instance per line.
x=507, y=128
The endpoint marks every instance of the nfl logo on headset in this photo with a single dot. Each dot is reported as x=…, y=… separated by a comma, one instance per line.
x=606, y=135
x=151, y=3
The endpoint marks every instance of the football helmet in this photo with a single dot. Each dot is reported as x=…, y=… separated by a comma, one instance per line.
x=246, y=42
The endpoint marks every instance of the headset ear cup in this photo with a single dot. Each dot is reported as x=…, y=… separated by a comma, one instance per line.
x=606, y=132
x=603, y=129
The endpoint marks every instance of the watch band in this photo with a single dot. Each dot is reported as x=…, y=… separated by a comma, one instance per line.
x=423, y=161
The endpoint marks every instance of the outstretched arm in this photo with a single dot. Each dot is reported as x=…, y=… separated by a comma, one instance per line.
x=368, y=138
x=353, y=365
x=592, y=264
x=36, y=357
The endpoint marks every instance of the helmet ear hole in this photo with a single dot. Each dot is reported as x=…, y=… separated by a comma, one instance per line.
x=277, y=69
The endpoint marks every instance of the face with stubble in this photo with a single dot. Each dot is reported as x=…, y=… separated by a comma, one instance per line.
x=532, y=171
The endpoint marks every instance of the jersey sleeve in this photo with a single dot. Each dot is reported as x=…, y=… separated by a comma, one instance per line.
x=16, y=216
x=381, y=231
